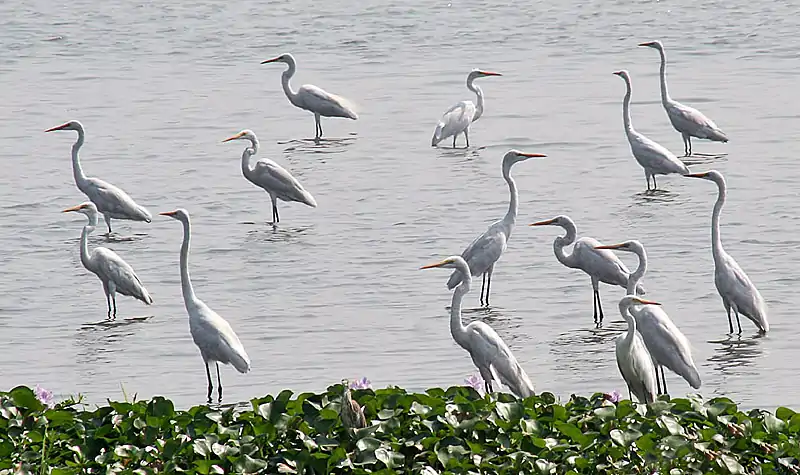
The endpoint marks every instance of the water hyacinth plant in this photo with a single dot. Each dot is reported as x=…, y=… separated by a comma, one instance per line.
x=362, y=383
x=440, y=431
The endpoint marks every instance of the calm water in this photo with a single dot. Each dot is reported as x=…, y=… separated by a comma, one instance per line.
x=335, y=292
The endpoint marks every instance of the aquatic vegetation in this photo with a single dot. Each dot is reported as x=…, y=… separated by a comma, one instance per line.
x=474, y=381
x=439, y=431
x=362, y=383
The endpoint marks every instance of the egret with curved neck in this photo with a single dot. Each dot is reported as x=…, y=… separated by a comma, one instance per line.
x=652, y=157
x=487, y=248
x=666, y=343
x=600, y=265
x=633, y=360
x=212, y=334
x=489, y=352
x=734, y=286
x=110, y=200
x=115, y=274
x=458, y=118
x=311, y=98
x=273, y=178
x=688, y=121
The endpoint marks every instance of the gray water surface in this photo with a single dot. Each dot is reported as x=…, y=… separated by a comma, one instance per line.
x=335, y=292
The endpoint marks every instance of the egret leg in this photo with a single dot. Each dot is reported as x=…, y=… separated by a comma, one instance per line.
x=664, y=381
x=488, y=283
x=738, y=322
x=730, y=321
x=318, y=128
x=647, y=176
x=466, y=136
x=454, y=140
x=655, y=183
x=689, y=141
x=658, y=382
x=107, y=219
x=274, y=200
x=108, y=301
x=594, y=306
x=219, y=385
x=686, y=145
x=483, y=287
x=114, y=301
x=600, y=307
x=210, y=384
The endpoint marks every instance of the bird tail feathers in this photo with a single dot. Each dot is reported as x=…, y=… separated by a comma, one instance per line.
x=240, y=361
x=308, y=199
x=717, y=135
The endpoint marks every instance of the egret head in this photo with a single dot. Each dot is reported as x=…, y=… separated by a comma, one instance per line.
x=623, y=74
x=479, y=73
x=88, y=209
x=451, y=262
x=627, y=246
x=71, y=125
x=180, y=214
x=629, y=300
x=710, y=175
x=284, y=58
x=245, y=134
x=559, y=220
x=513, y=156
x=653, y=44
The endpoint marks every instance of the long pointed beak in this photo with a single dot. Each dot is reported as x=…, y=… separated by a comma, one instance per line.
x=645, y=302
x=74, y=208
x=646, y=44
x=167, y=213
x=271, y=60
x=490, y=73
x=618, y=73
x=233, y=137
x=532, y=155
x=697, y=175
x=543, y=223
x=431, y=266
x=59, y=127
x=610, y=246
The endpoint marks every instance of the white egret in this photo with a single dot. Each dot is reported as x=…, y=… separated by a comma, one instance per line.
x=311, y=98
x=273, y=178
x=654, y=158
x=688, y=121
x=665, y=342
x=489, y=352
x=111, y=201
x=115, y=274
x=633, y=360
x=736, y=289
x=487, y=248
x=212, y=334
x=600, y=265
x=458, y=118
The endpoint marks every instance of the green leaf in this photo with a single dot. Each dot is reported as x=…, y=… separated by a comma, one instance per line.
x=570, y=431
x=784, y=414
x=24, y=398
x=730, y=464
x=389, y=458
x=773, y=424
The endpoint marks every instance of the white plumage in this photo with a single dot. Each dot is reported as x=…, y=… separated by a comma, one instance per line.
x=633, y=360
x=458, y=118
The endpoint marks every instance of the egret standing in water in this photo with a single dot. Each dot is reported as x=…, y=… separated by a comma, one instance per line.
x=458, y=118
x=111, y=201
x=655, y=159
x=665, y=342
x=633, y=360
x=736, y=289
x=211, y=333
x=311, y=98
x=273, y=178
x=484, y=251
x=601, y=265
x=115, y=274
x=489, y=352
x=688, y=121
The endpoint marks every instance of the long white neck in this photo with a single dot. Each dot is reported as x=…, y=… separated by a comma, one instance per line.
x=510, y=219
x=85, y=257
x=77, y=171
x=457, y=328
x=478, y=92
x=716, y=240
x=285, y=77
x=562, y=241
x=664, y=91
x=624, y=310
x=626, y=107
x=247, y=155
x=638, y=274
x=189, y=298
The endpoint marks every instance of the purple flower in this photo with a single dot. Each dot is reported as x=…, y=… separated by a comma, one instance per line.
x=474, y=381
x=362, y=383
x=614, y=396
x=43, y=395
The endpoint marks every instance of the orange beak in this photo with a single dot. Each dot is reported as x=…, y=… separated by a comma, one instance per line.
x=697, y=175
x=168, y=213
x=490, y=73
x=62, y=126
x=233, y=137
x=543, y=223
x=645, y=302
x=610, y=246
x=271, y=60
x=533, y=155
x=431, y=266
x=74, y=208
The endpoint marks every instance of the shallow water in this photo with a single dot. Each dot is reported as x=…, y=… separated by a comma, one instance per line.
x=335, y=291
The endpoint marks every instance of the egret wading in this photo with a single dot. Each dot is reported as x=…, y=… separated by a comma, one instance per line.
x=665, y=342
x=601, y=265
x=273, y=178
x=654, y=158
x=115, y=274
x=458, y=118
x=633, y=360
x=736, y=289
x=489, y=352
x=311, y=98
x=688, y=121
x=211, y=333
x=110, y=200
x=487, y=248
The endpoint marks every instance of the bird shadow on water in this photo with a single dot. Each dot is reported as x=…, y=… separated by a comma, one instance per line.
x=114, y=237
x=654, y=196
x=322, y=145
x=703, y=158
x=271, y=232
x=117, y=322
x=735, y=352
x=460, y=152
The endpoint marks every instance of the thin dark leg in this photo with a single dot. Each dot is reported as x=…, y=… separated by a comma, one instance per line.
x=664, y=381
x=219, y=385
x=630, y=396
x=483, y=286
x=689, y=140
x=466, y=136
x=488, y=286
x=320, y=128
x=738, y=322
x=600, y=306
x=658, y=382
x=210, y=385
x=730, y=321
x=275, y=217
x=108, y=302
x=114, y=301
x=648, y=182
x=454, y=140
x=685, y=146
x=655, y=183
x=486, y=387
x=594, y=306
